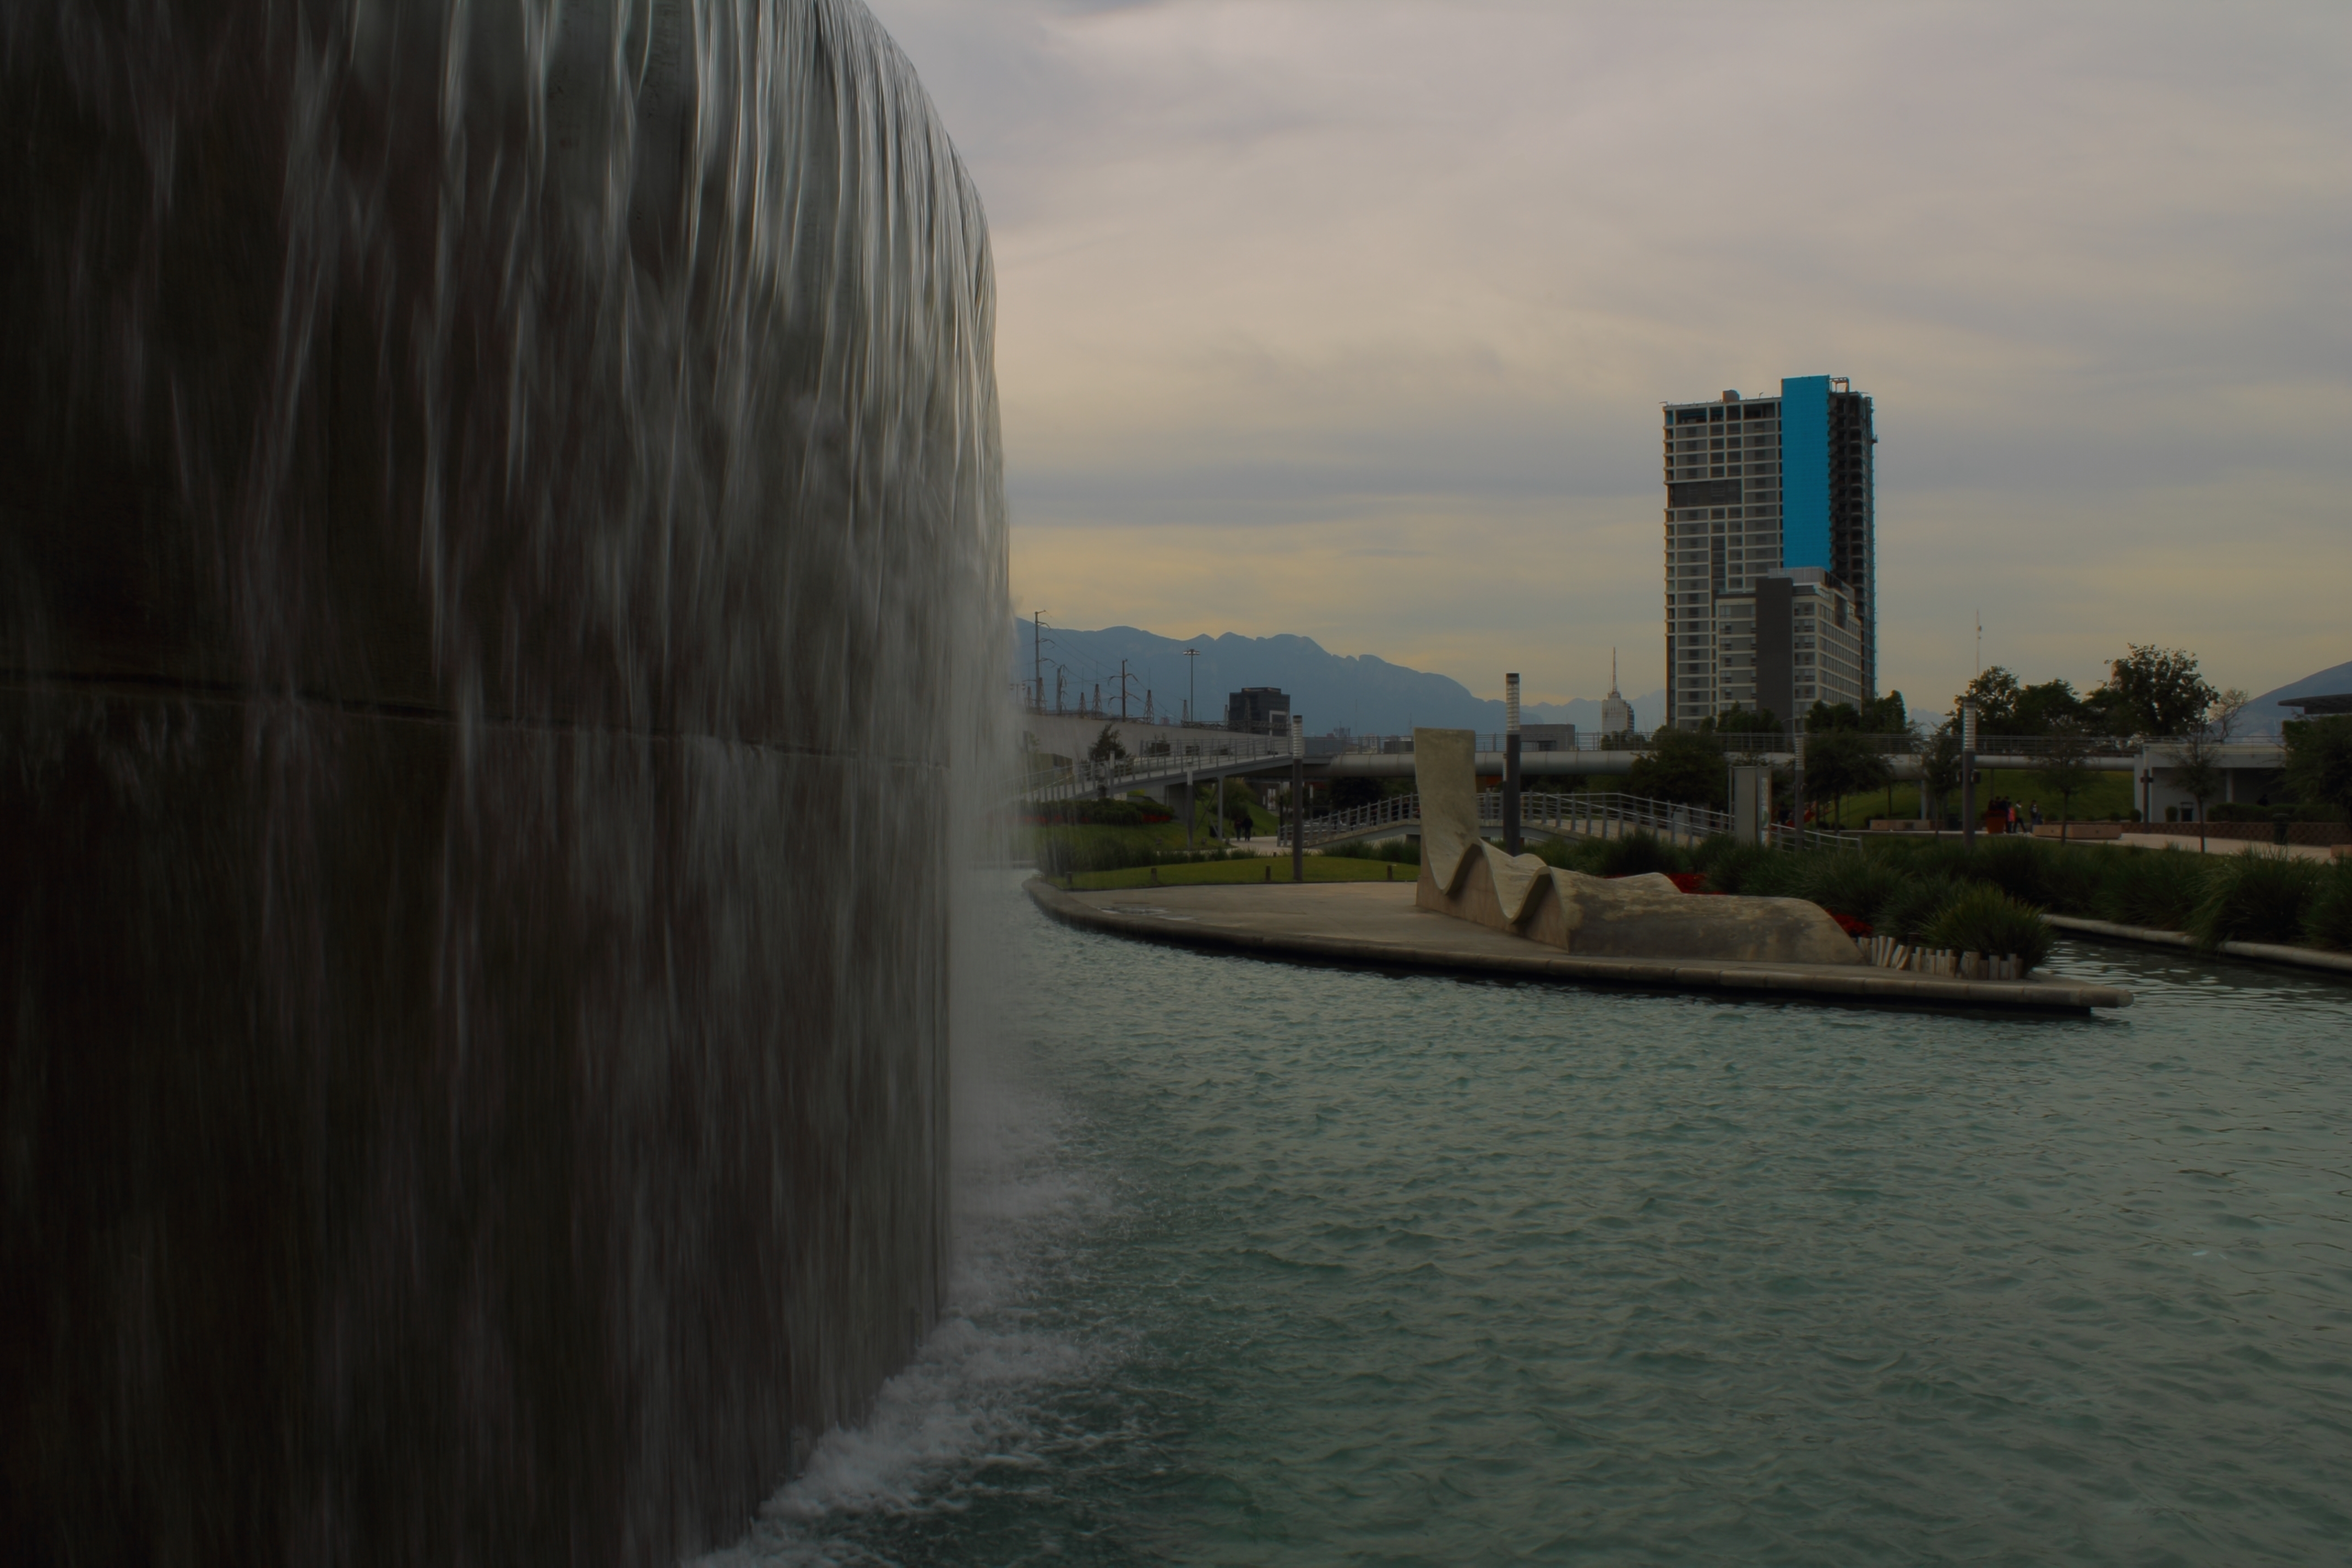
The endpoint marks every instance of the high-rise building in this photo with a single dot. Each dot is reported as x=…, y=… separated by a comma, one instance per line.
x=1771, y=552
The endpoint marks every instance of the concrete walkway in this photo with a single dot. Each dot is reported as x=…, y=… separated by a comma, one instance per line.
x=1377, y=925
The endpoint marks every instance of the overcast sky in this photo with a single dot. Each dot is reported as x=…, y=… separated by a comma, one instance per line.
x=1353, y=319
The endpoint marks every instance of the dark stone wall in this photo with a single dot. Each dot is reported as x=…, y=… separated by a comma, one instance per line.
x=491, y=601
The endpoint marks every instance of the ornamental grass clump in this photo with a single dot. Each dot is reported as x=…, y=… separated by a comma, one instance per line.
x=2158, y=888
x=2328, y=922
x=1985, y=919
x=2015, y=864
x=1730, y=865
x=1908, y=914
x=2259, y=896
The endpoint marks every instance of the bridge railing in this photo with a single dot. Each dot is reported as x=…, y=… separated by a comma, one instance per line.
x=1597, y=812
x=1085, y=776
x=1735, y=744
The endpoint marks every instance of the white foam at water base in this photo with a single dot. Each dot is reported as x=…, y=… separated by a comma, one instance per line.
x=968, y=1406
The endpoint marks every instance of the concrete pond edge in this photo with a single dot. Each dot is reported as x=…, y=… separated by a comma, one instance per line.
x=1862, y=984
x=2267, y=952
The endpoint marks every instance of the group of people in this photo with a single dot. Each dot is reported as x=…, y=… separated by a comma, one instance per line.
x=2003, y=815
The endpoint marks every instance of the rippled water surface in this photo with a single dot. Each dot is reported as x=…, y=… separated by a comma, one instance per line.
x=1271, y=1264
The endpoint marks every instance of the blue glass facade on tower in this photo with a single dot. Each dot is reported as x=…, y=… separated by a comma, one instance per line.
x=1805, y=471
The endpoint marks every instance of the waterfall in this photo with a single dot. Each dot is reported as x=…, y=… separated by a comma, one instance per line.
x=501, y=573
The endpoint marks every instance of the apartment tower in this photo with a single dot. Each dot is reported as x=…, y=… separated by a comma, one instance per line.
x=1771, y=552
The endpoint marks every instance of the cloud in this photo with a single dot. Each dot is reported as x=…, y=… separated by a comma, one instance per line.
x=1389, y=295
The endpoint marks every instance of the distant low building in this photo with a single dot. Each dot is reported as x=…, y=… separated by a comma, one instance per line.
x=1258, y=711
x=1547, y=737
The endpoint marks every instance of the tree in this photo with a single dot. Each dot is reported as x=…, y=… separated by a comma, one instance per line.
x=1939, y=765
x=1106, y=746
x=1822, y=718
x=1843, y=763
x=2157, y=691
x=1995, y=693
x=1885, y=715
x=2199, y=766
x=2066, y=767
x=1679, y=765
x=2038, y=708
x=2319, y=760
x=1350, y=791
x=1237, y=800
x=1743, y=721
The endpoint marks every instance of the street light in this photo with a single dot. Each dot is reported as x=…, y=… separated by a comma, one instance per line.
x=1298, y=798
x=1968, y=772
x=1511, y=765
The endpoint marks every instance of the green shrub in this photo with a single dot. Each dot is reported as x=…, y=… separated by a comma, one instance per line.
x=1066, y=851
x=2015, y=864
x=2327, y=922
x=1851, y=882
x=1639, y=852
x=2259, y=896
x=2158, y=887
x=2072, y=879
x=1568, y=854
x=1917, y=901
x=2238, y=811
x=1776, y=874
x=1730, y=866
x=1986, y=919
x=1395, y=850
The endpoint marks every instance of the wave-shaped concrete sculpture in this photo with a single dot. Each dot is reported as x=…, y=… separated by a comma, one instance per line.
x=502, y=579
x=1626, y=917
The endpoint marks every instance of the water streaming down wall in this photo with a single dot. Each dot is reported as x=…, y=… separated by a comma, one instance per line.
x=503, y=567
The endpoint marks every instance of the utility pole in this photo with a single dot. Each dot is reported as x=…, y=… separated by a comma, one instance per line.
x=1511, y=763
x=1192, y=687
x=1298, y=798
x=1969, y=773
x=1122, y=692
x=1038, y=654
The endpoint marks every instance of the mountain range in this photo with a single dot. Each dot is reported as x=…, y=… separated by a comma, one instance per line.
x=1360, y=693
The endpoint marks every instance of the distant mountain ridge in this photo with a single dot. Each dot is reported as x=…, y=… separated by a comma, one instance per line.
x=1361, y=693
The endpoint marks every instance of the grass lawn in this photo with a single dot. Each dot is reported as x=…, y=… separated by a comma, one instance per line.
x=1319, y=869
x=2108, y=793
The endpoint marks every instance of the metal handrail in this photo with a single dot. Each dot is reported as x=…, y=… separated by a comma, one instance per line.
x=1568, y=809
x=1083, y=775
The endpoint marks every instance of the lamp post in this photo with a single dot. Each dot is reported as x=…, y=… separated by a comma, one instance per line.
x=1796, y=778
x=1511, y=765
x=1968, y=772
x=1298, y=798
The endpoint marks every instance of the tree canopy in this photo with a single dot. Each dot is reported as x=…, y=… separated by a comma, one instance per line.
x=2148, y=692
x=2159, y=691
x=1679, y=765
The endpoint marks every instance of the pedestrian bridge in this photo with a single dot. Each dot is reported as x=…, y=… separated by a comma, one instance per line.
x=1543, y=814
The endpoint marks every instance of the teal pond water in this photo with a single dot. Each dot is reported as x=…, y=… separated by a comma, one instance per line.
x=1262, y=1263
